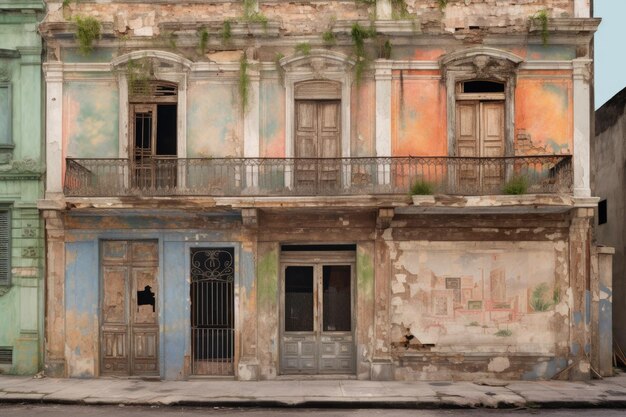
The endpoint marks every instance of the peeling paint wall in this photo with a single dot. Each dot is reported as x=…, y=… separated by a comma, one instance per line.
x=272, y=123
x=90, y=119
x=544, y=113
x=363, y=119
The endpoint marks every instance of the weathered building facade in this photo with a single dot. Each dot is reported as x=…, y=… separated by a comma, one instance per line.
x=21, y=186
x=228, y=189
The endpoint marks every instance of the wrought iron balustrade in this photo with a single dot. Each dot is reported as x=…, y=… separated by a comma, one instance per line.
x=313, y=176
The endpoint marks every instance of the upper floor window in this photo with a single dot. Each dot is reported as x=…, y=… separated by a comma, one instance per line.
x=5, y=115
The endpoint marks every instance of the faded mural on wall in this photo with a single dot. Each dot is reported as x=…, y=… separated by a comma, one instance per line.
x=461, y=297
x=214, y=122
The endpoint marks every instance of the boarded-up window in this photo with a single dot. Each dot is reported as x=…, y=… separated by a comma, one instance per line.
x=5, y=247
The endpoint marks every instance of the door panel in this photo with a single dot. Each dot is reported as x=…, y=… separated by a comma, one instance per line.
x=467, y=144
x=492, y=141
x=318, y=135
x=129, y=332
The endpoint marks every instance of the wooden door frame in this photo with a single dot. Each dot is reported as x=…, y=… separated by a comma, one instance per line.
x=316, y=259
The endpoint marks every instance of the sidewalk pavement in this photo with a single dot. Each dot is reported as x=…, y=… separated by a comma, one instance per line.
x=609, y=393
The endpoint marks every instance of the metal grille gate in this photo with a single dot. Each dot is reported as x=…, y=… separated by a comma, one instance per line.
x=212, y=311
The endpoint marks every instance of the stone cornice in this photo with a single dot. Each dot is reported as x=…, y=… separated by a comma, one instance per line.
x=26, y=6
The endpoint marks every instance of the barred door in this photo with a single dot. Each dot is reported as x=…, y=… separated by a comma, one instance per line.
x=212, y=311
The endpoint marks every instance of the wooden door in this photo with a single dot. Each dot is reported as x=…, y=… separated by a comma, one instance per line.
x=129, y=308
x=317, y=331
x=317, y=145
x=143, y=133
x=480, y=134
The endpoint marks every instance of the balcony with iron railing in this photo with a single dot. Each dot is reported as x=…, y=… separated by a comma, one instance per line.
x=276, y=177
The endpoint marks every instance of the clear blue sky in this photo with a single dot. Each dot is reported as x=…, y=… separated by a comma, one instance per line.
x=610, y=49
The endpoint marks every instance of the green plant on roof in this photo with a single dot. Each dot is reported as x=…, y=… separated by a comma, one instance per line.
x=385, y=49
x=442, y=4
x=303, y=48
x=516, y=185
x=88, y=30
x=503, y=333
x=366, y=2
x=422, y=187
x=541, y=17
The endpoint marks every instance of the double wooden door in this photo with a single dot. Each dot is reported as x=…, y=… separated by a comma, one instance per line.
x=129, y=334
x=317, y=318
x=480, y=133
x=318, y=145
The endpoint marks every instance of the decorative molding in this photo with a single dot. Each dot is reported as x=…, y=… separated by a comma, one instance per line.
x=177, y=62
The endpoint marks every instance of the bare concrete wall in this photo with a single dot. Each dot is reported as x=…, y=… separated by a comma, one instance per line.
x=608, y=179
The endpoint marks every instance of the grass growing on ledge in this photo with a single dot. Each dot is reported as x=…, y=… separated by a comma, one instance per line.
x=516, y=185
x=422, y=187
x=88, y=30
x=504, y=333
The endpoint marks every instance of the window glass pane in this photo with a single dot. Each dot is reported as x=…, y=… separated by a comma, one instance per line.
x=5, y=115
x=337, y=311
x=299, y=299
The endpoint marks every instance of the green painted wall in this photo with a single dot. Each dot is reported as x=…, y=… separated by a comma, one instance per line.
x=21, y=169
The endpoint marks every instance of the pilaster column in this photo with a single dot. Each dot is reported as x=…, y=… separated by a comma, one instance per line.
x=54, y=127
x=579, y=286
x=382, y=365
x=251, y=147
x=383, y=10
x=30, y=94
x=582, y=127
x=55, y=365
x=383, y=117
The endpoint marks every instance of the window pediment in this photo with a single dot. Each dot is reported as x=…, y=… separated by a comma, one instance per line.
x=318, y=63
x=481, y=63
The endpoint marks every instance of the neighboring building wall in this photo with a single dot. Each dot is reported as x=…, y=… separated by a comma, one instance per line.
x=21, y=168
x=608, y=183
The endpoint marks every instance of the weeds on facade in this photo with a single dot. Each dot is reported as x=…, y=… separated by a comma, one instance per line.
x=329, y=38
x=442, y=4
x=399, y=10
x=243, y=84
x=303, y=48
x=516, y=185
x=422, y=187
x=359, y=35
x=279, y=69
x=139, y=74
x=541, y=18
x=384, y=49
x=88, y=30
x=503, y=333
x=227, y=32
x=203, y=34
x=251, y=15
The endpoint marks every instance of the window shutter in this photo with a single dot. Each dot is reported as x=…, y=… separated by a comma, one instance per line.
x=5, y=252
